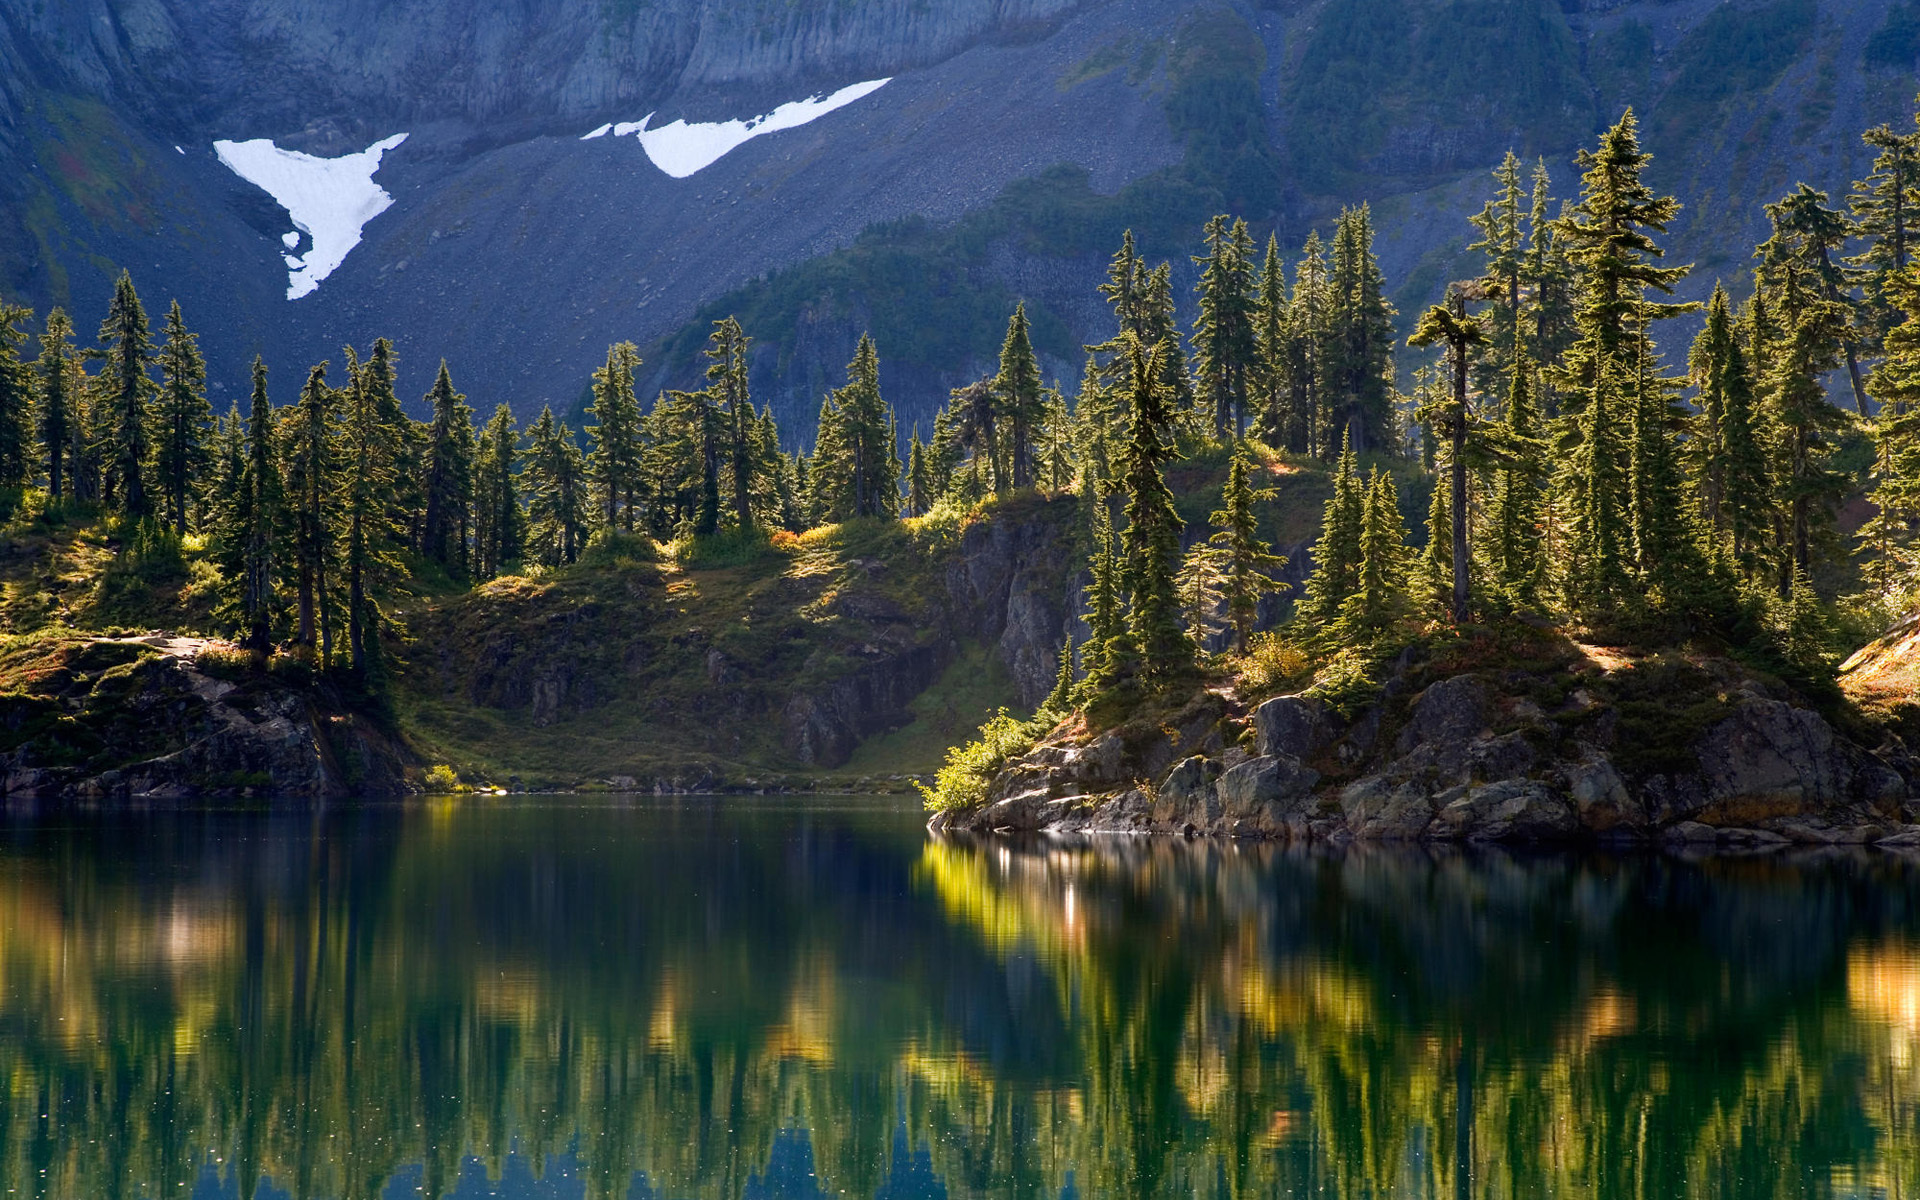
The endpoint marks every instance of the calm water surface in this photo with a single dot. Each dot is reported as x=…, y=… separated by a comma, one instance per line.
x=809, y=998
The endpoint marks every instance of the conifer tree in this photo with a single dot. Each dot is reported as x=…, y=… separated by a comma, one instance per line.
x=1246, y=565
x=127, y=387
x=1309, y=339
x=615, y=459
x=16, y=400
x=1200, y=588
x=499, y=526
x=1054, y=448
x=1436, y=564
x=1277, y=421
x=1547, y=274
x=1805, y=235
x=1105, y=617
x=920, y=491
x=1224, y=341
x=1658, y=514
x=1362, y=321
x=1336, y=555
x=449, y=468
x=1060, y=700
x=1883, y=206
x=1159, y=318
x=1017, y=394
x=558, y=500
x=253, y=521
x=371, y=539
x=54, y=369
x=727, y=386
x=1378, y=597
x=856, y=466
x=1891, y=538
x=410, y=443
x=1448, y=325
x=1501, y=243
x=1514, y=556
x=1151, y=541
x=311, y=477
x=181, y=418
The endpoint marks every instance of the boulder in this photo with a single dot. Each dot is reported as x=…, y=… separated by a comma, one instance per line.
x=1187, y=796
x=1291, y=725
x=1377, y=808
x=1268, y=790
x=1770, y=759
x=1511, y=810
x=1600, y=797
x=1451, y=712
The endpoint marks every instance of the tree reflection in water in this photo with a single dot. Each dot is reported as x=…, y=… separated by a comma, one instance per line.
x=678, y=998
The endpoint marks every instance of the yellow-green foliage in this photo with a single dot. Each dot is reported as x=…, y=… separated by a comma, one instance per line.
x=441, y=780
x=970, y=768
x=1271, y=662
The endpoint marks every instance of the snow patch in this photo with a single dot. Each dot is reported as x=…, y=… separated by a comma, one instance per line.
x=600, y=132
x=330, y=200
x=682, y=149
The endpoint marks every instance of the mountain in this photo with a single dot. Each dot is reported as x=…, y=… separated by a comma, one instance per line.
x=1006, y=149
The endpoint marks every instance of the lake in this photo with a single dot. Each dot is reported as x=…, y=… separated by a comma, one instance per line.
x=809, y=997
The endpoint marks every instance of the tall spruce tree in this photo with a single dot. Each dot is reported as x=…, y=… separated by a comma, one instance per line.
x=1247, y=567
x=371, y=539
x=127, y=387
x=617, y=441
x=1548, y=276
x=499, y=524
x=254, y=522
x=1225, y=347
x=726, y=353
x=449, y=469
x=16, y=400
x=1515, y=559
x=312, y=468
x=1449, y=325
x=181, y=418
x=1891, y=538
x=1502, y=244
x=1309, y=351
x=1276, y=420
x=1151, y=542
x=1106, y=616
x=1336, y=556
x=1019, y=396
x=1379, y=595
x=1362, y=320
x=54, y=369
x=856, y=466
x=559, y=504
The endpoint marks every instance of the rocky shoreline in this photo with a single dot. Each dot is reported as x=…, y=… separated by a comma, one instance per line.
x=1471, y=757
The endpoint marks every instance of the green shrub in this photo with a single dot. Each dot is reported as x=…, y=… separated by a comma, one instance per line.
x=970, y=768
x=441, y=780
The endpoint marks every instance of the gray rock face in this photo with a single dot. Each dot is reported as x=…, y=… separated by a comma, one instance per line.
x=1768, y=759
x=1376, y=808
x=1450, y=713
x=1188, y=796
x=1600, y=797
x=1292, y=725
x=1511, y=810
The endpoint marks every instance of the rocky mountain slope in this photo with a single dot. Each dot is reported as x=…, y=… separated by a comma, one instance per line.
x=518, y=251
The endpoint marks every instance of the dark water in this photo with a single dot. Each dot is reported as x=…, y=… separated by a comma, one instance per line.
x=734, y=998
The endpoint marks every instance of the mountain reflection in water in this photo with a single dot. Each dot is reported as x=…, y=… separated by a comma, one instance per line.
x=755, y=998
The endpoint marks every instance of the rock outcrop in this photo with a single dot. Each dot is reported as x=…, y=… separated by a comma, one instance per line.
x=1721, y=754
x=120, y=720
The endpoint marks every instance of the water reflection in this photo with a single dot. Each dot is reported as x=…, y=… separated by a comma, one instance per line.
x=693, y=998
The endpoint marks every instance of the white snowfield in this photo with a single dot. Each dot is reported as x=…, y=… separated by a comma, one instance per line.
x=330, y=199
x=681, y=149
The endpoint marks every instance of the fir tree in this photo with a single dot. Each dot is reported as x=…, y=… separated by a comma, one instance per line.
x=1017, y=393
x=856, y=466
x=127, y=387
x=615, y=460
x=1658, y=513
x=1151, y=541
x=1515, y=559
x=181, y=418
x=1450, y=326
x=1105, y=619
x=1055, y=444
x=1378, y=597
x=54, y=368
x=1362, y=334
x=727, y=386
x=1436, y=564
x=1501, y=243
x=558, y=501
x=1890, y=537
x=500, y=527
x=1807, y=232
x=371, y=539
x=311, y=476
x=1246, y=566
x=1309, y=338
x=920, y=490
x=1200, y=588
x=1224, y=342
x=450, y=454
x=16, y=400
x=1059, y=701
x=1547, y=274
x=1882, y=205
x=1336, y=555
x=1277, y=420
x=253, y=522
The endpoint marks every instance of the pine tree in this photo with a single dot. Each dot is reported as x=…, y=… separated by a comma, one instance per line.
x=1277, y=421
x=411, y=444
x=1436, y=564
x=727, y=386
x=1891, y=538
x=1336, y=555
x=499, y=526
x=1378, y=597
x=1362, y=329
x=1200, y=588
x=311, y=477
x=449, y=470
x=920, y=490
x=1055, y=446
x=1225, y=349
x=856, y=466
x=371, y=539
x=1664, y=544
x=1059, y=701
x=127, y=387
x=1159, y=318
x=1450, y=326
x=16, y=400
x=1883, y=207
x=1018, y=395
x=1501, y=243
x=1246, y=565
x=1547, y=275
x=615, y=460
x=250, y=530
x=1151, y=541
x=181, y=418
x=1309, y=349
x=54, y=368
x=1515, y=560
x=1806, y=231
x=558, y=503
